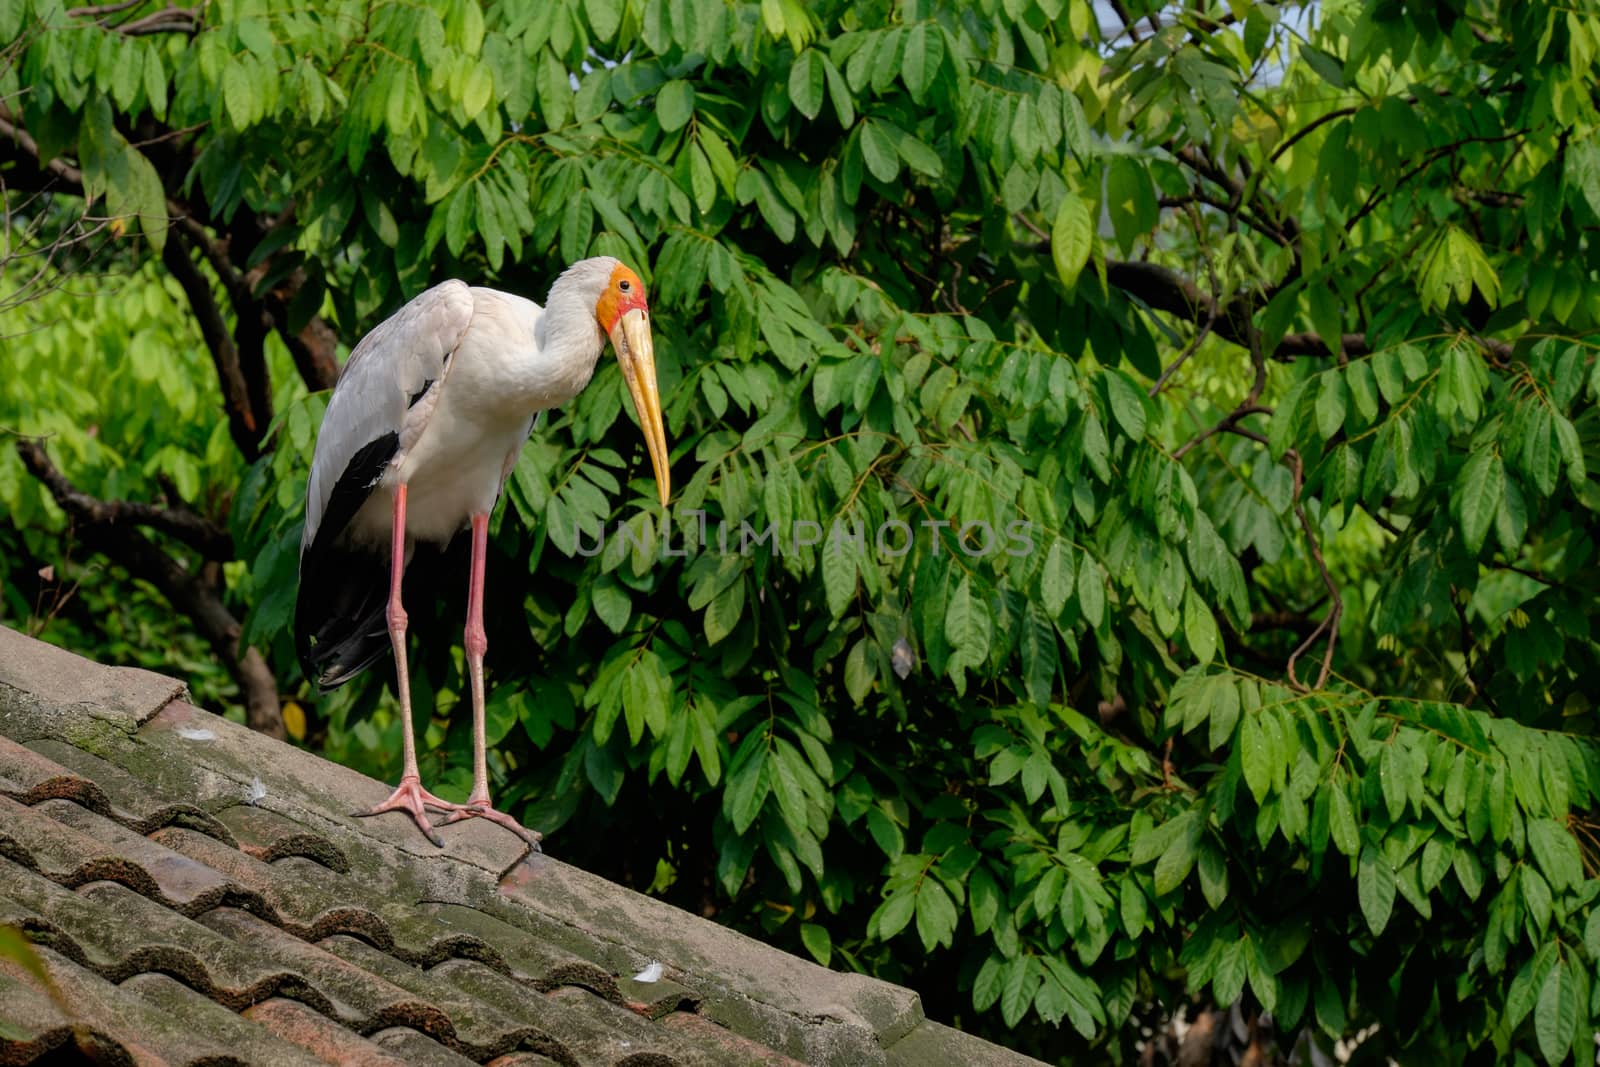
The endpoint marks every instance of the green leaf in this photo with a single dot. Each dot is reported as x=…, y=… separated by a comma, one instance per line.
x=724, y=612
x=1179, y=858
x=1127, y=403
x=817, y=941
x=1557, y=853
x=936, y=915
x=16, y=948
x=1199, y=627
x=807, y=81
x=878, y=149
x=966, y=622
x=1556, y=1016
x=675, y=104
x=646, y=696
x=1327, y=65
x=1091, y=590
x=1256, y=757
x=984, y=899
x=1375, y=888
x=1056, y=579
x=923, y=54
x=989, y=983
x=1130, y=200
x=237, y=95
x=894, y=913
x=858, y=672
x=1071, y=238
x=748, y=786
x=612, y=604
x=1021, y=982
x=1479, y=491
x=1213, y=876
x=1330, y=404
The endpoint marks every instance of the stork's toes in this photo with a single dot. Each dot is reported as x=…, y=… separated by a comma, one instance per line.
x=411, y=798
x=481, y=809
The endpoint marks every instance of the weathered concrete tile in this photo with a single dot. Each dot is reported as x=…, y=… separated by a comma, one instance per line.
x=789, y=1004
x=302, y=903
x=28, y=777
x=174, y=879
x=132, y=803
x=319, y=1035
x=418, y=1050
x=118, y=933
x=433, y=954
x=655, y=999
x=527, y=958
x=703, y=1031
x=357, y=998
x=49, y=692
x=478, y=1030
x=318, y=794
x=269, y=836
x=144, y=1033
x=189, y=1013
x=936, y=1043
x=600, y=1032
x=578, y=1024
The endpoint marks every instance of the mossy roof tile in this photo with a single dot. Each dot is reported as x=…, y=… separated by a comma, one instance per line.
x=201, y=893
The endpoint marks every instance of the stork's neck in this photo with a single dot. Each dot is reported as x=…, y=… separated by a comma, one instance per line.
x=569, y=342
x=545, y=356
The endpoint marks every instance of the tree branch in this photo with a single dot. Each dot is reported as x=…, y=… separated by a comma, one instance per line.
x=172, y=20
x=183, y=589
x=55, y=169
x=243, y=425
x=196, y=531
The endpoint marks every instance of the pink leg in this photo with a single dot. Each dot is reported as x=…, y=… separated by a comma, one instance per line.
x=476, y=643
x=409, y=796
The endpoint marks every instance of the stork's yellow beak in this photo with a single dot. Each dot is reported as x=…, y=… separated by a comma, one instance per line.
x=637, y=354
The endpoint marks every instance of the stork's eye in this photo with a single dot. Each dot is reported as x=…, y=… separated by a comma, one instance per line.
x=624, y=285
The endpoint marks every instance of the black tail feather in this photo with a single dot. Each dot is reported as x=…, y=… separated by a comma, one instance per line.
x=341, y=625
x=339, y=622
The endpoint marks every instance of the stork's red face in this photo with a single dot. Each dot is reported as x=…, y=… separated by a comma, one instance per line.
x=623, y=292
x=624, y=314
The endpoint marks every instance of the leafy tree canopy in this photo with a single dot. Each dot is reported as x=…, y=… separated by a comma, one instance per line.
x=1136, y=537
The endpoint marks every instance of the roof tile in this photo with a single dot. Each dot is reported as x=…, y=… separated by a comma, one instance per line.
x=418, y=1050
x=318, y=1034
x=201, y=893
x=358, y=998
x=178, y=881
x=526, y=956
x=268, y=836
x=301, y=900
x=47, y=690
x=131, y=801
x=188, y=1013
x=28, y=777
x=476, y=1029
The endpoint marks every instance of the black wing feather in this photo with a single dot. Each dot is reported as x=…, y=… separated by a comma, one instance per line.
x=339, y=622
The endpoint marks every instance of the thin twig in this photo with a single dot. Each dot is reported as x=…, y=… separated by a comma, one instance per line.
x=1330, y=622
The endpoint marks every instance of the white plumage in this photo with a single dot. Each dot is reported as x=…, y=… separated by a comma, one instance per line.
x=420, y=434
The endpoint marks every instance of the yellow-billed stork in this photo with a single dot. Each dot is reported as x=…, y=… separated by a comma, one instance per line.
x=422, y=430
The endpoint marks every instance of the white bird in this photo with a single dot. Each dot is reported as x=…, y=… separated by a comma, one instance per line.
x=423, y=428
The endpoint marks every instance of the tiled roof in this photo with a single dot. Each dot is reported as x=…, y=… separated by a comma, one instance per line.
x=200, y=894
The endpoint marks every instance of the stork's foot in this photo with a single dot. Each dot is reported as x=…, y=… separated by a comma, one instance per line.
x=411, y=798
x=480, y=808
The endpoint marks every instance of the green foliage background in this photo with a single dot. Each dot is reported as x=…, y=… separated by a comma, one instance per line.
x=1273, y=325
